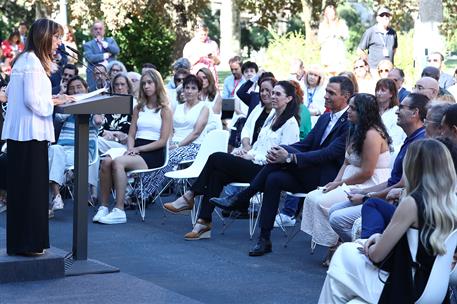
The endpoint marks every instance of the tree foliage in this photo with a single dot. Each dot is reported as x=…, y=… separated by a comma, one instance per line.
x=146, y=40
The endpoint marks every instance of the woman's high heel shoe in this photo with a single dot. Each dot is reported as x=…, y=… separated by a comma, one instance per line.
x=180, y=205
x=202, y=230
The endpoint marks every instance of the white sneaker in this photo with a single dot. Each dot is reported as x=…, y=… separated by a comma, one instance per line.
x=284, y=221
x=101, y=212
x=57, y=203
x=116, y=216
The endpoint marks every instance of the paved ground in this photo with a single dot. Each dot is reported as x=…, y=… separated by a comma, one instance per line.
x=158, y=266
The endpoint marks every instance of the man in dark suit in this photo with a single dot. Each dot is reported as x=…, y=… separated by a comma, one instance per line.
x=398, y=76
x=100, y=50
x=300, y=167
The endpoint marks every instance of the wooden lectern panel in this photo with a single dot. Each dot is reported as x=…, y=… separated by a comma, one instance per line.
x=101, y=104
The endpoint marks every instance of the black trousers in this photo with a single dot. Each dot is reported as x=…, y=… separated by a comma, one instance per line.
x=273, y=179
x=220, y=170
x=28, y=197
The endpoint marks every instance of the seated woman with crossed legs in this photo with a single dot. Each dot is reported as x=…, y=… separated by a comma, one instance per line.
x=281, y=127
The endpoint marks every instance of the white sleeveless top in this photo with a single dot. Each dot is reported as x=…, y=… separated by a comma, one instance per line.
x=184, y=120
x=149, y=124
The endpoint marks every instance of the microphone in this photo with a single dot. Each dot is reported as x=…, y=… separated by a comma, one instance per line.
x=73, y=50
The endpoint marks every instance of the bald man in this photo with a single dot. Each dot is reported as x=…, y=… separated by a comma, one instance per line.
x=427, y=86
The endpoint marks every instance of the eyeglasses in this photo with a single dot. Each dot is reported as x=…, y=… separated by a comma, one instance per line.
x=57, y=36
x=384, y=15
x=383, y=71
x=420, y=87
x=179, y=80
x=359, y=67
x=402, y=106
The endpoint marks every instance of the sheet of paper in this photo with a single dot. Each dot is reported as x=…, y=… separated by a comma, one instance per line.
x=80, y=97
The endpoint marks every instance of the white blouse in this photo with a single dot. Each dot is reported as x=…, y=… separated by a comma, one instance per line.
x=249, y=125
x=30, y=106
x=184, y=120
x=389, y=118
x=287, y=134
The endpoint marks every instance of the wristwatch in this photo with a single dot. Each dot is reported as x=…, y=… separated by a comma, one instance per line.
x=289, y=158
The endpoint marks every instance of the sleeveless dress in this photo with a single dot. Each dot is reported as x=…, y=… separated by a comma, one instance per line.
x=317, y=203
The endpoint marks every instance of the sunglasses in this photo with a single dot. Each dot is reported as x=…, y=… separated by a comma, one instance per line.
x=384, y=15
x=179, y=80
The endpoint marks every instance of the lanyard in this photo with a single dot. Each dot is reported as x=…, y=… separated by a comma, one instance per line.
x=235, y=84
x=310, y=95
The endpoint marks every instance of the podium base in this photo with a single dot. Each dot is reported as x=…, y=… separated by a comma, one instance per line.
x=89, y=266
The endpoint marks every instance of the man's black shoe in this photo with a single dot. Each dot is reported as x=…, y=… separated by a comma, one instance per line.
x=263, y=246
x=229, y=203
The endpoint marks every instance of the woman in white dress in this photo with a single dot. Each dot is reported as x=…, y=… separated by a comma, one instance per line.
x=367, y=163
x=428, y=209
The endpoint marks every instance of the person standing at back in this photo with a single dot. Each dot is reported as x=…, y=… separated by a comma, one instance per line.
x=379, y=41
x=101, y=49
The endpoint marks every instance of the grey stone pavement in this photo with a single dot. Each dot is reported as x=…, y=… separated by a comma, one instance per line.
x=158, y=266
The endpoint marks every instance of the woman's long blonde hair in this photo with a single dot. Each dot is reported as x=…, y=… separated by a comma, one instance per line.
x=428, y=166
x=39, y=41
x=162, y=99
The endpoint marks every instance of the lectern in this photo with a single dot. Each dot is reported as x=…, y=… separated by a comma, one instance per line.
x=101, y=104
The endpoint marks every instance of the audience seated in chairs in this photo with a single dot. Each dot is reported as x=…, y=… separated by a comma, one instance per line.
x=61, y=155
x=115, y=127
x=411, y=114
x=281, y=127
x=380, y=271
x=367, y=163
x=189, y=122
x=300, y=167
x=146, y=143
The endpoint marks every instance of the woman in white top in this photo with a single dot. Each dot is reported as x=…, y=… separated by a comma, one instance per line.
x=362, y=73
x=367, y=163
x=189, y=121
x=146, y=145
x=281, y=127
x=28, y=130
x=210, y=95
x=387, y=99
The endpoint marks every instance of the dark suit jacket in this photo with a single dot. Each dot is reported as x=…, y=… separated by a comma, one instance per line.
x=402, y=94
x=324, y=161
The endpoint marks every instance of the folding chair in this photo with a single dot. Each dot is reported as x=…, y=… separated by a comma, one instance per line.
x=214, y=141
x=135, y=182
x=296, y=228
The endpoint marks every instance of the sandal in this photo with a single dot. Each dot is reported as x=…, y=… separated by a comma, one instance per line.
x=202, y=230
x=179, y=206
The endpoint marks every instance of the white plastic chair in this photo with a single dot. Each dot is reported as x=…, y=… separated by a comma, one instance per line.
x=214, y=141
x=135, y=182
x=438, y=282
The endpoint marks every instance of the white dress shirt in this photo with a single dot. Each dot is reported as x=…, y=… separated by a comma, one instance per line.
x=30, y=106
x=333, y=120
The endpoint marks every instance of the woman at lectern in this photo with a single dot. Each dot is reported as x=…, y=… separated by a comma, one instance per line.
x=28, y=129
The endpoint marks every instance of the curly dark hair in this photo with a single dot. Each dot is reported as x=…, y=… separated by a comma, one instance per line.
x=368, y=117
